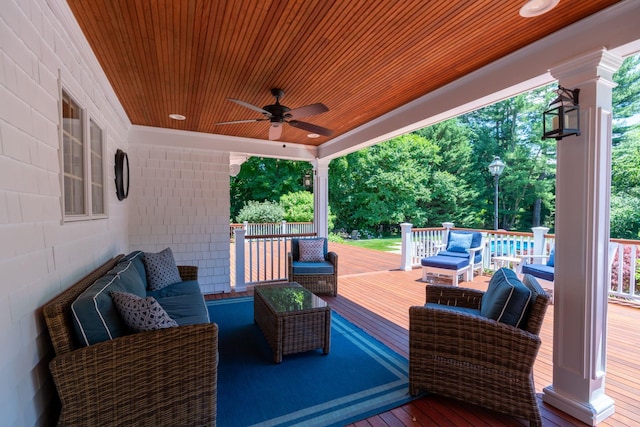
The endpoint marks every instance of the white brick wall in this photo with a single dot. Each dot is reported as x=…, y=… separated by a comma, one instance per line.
x=177, y=198
x=39, y=256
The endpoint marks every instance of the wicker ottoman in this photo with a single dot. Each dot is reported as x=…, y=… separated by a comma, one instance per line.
x=292, y=319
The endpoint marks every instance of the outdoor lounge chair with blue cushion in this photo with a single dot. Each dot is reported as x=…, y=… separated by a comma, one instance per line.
x=311, y=264
x=462, y=254
x=480, y=347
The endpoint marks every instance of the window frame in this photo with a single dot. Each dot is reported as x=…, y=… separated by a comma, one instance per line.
x=87, y=120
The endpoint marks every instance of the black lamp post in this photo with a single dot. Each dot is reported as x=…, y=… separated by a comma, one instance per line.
x=496, y=167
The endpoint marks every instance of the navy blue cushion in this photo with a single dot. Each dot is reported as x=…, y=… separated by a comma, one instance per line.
x=312, y=267
x=459, y=242
x=295, y=247
x=136, y=258
x=540, y=271
x=187, y=309
x=95, y=316
x=190, y=287
x=467, y=310
x=507, y=298
x=552, y=258
x=446, y=262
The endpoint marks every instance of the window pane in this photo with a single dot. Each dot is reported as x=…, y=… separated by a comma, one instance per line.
x=73, y=156
x=97, y=174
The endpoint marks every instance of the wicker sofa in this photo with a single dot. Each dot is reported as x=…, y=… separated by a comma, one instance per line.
x=455, y=351
x=165, y=377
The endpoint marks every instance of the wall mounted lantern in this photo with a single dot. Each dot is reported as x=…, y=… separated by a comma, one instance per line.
x=562, y=118
x=306, y=181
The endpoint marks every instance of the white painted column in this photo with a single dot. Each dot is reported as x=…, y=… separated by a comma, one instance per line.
x=583, y=187
x=407, y=247
x=321, y=197
x=240, y=284
x=538, y=242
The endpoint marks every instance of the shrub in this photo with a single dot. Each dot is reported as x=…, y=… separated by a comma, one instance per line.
x=261, y=212
x=626, y=273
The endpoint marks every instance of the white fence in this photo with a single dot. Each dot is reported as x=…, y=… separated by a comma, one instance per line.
x=418, y=243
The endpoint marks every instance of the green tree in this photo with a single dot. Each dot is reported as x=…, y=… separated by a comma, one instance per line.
x=298, y=206
x=262, y=179
x=260, y=212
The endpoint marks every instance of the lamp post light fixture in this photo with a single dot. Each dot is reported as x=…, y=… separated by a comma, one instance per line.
x=496, y=167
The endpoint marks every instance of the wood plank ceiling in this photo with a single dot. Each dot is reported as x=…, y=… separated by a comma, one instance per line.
x=360, y=58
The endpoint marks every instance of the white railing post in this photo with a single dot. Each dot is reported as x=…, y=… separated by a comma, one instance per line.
x=407, y=246
x=240, y=266
x=538, y=242
x=284, y=227
x=447, y=226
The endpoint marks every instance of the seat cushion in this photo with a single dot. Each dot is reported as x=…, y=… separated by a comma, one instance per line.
x=467, y=310
x=187, y=309
x=302, y=268
x=541, y=271
x=446, y=262
x=190, y=287
x=507, y=298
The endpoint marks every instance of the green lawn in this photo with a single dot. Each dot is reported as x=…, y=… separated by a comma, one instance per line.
x=385, y=244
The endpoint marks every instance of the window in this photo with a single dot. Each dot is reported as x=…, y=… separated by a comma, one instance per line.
x=83, y=164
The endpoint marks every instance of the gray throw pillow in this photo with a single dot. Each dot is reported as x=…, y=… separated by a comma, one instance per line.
x=141, y=314
x=161, y=269
x=311, y=250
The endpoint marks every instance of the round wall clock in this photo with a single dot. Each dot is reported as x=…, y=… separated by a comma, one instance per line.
x=122, y=174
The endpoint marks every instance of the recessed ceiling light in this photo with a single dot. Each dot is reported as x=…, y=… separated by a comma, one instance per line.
x=313, y=135
x=537, y=7
x=177, y=117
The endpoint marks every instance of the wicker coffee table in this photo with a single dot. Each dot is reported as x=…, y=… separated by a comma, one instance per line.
x=292, y=319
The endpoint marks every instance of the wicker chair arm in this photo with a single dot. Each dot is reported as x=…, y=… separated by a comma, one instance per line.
x=162, y=377
x=491, y=344
x=452, y=295
x=188, y=272
x=332, y=257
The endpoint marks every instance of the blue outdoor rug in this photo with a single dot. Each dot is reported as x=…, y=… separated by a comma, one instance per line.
x=360, y=377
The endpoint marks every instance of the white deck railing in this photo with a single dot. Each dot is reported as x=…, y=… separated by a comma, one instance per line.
x=418, y=243
x=262, y=257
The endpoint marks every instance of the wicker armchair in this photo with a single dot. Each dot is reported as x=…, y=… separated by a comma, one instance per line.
x=474, y=359
x=165, y=377
x=317, y=277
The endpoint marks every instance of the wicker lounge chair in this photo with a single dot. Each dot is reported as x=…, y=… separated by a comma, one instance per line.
x=471, y=358
x=321, y=276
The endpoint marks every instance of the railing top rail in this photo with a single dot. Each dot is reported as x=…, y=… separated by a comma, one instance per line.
x=428, y=229
x=272, y=236
x=626, y=241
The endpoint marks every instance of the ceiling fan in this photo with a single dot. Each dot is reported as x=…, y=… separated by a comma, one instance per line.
x=279, y=114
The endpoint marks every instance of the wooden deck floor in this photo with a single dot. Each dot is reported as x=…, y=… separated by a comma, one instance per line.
x=375, y=295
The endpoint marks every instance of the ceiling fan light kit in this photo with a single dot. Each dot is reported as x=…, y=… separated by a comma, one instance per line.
x=278, y=114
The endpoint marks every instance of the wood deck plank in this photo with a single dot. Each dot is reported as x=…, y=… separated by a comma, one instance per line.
x=375, y=295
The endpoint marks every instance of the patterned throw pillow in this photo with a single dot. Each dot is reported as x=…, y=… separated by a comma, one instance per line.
x=141, y=314
x=161, y=269
x=311, y=250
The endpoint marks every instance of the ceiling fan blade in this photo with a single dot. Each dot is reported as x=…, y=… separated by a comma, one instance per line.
x=275, y=132
x=251, y=106
x=240, y=121
x=310, y=127
x=308, y=110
